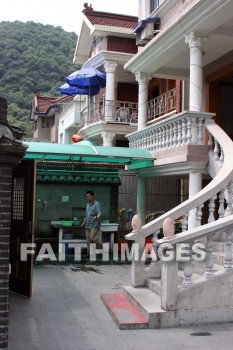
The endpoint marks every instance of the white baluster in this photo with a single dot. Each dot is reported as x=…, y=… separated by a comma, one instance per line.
x=140, y=141
x=211, y=209
x=174, y=134
x=199, y=214
x=144, y=140
x=209, y=263
x=166, y=136
x=210, y=142
x=184, y=131
x=147, y=139
x=163, y=137
x=221, y=155
x=228, y=251
x=160, y=139
x=200, y=131
x=189, y=132
x=184, y=223
x=216, y=150
x=171, y=135
x=221, y=209
x=179, y=133
x=229, y=209
x=188, y=270
x=151, y=139
x=155, y=139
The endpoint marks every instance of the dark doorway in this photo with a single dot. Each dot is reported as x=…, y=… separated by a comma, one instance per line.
x=22, y=227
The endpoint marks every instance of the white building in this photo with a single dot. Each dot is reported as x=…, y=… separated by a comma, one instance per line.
x=194, y=44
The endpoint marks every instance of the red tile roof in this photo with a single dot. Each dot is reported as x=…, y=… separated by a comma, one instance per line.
x=109, y=19
x=41, y=104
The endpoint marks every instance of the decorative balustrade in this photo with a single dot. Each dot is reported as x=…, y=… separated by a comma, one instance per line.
x=109, y=111
x=218, y=195
x=161, y=105
x=181, y=129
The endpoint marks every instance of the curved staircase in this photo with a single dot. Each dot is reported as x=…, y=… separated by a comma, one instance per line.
x=172, y=293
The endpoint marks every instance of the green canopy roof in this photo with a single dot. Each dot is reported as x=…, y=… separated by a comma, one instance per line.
x=86, y=151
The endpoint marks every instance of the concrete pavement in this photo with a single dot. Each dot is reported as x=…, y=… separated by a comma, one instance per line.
x=66, y=313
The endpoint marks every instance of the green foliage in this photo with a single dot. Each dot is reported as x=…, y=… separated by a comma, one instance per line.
x=33, y=58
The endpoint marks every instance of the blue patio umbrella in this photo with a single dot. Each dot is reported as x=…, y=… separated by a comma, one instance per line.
x=87, y=78
x=66, y=89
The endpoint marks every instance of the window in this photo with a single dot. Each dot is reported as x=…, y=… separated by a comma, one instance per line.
x=44, y=123
x=155, y=4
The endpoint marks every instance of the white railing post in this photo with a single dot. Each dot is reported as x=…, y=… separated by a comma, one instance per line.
x=212, y=209
x=174, y=141
x=184, y=223
x=221, y=209
x=229, y=209
x=188, y=270
x=209, y=263
x=228, y=251
x=199, y=214
x=200, y=131
x=169, y=284
x=138, y=277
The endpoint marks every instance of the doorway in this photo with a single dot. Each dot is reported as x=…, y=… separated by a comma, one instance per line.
x=22, y=227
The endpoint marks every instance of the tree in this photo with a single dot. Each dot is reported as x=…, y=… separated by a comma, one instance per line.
x=33, y=58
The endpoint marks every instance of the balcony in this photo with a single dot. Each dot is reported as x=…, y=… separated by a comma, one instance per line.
x=70, y=115
x=117, y=112
x=161, y=105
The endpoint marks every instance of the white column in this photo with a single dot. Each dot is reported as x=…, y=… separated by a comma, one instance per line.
x=110, y=68
x=141, y=198
x=108, y=138
x=196, y=44
x=195, y=185
x=143, y=82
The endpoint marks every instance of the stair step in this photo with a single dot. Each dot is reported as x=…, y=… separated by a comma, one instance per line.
x=154, y=284
x=147, y=303
x=218, y=258
x=123, y=312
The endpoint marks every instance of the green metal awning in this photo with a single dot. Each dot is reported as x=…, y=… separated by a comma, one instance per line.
x=88, y=152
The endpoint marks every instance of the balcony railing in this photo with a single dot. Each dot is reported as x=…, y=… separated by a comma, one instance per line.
x=109, y=111
x=177, y=130
x=162, y=105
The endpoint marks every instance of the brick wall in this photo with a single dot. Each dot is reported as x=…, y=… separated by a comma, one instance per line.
x=5, y=212
x=118, y=44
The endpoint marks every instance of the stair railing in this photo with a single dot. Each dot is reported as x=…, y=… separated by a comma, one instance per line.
x=220, y=151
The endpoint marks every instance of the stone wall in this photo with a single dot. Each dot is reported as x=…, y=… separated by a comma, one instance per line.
x=11, y=151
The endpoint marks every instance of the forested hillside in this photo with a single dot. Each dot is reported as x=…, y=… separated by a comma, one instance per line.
x=33, y=58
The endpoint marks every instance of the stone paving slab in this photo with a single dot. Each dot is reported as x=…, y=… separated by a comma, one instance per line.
x=66, y=313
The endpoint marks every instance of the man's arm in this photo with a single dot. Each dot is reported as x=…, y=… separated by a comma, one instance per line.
x=84, y=221
x=98, y=211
